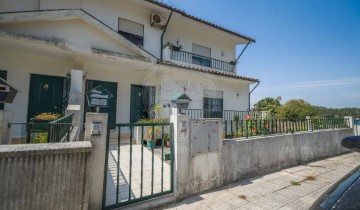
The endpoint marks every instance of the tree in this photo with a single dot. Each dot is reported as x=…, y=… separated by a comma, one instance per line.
x=295, y=109
x=267, y=104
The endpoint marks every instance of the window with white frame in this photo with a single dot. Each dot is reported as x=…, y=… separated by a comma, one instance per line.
x=132, y=31
x=201, y=55
x=213, y=104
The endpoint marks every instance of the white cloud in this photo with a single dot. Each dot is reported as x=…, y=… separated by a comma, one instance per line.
x=314, y=84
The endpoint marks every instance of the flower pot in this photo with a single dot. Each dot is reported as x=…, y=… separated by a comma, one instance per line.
x=150, y=144
x=176, y=48
x=40, y=124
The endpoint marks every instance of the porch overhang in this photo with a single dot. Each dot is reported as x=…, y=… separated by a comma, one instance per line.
x=66, y=47
x=66, y=14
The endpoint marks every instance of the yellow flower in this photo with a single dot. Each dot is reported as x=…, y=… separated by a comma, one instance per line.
x=47, y=116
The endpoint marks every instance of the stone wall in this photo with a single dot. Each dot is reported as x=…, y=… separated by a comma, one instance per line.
x=251, y=157
x=244, y=158
x=45, y=176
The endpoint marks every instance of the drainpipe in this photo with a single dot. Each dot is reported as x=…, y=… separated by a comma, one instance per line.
x=237, y=60
x=252, y=91
x=162, y=36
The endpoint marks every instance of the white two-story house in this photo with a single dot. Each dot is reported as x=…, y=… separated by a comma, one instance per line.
x=141, y=51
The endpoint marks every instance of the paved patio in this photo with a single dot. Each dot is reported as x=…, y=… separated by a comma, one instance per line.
x=124, y=173
x=292, y=188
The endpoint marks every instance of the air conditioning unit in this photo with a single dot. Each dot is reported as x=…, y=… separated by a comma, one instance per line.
x=157, y=20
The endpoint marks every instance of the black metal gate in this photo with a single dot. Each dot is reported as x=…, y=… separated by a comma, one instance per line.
x=139, y=163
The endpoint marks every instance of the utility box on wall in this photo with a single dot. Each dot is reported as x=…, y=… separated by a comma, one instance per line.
x=205, y=136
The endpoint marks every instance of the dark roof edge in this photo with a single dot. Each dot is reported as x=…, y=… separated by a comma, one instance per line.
x=200, y=20
x=171, y=64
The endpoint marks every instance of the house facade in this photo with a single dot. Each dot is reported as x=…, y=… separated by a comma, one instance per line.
x=141, y=51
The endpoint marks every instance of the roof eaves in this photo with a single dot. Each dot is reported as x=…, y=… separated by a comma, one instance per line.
x=161, y=4
x=168, y=63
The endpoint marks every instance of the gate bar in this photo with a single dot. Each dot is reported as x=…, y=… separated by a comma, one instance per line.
x=118, y=167
x=130, y=169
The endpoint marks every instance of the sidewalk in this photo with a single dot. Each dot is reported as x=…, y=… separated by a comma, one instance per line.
x=292, y=188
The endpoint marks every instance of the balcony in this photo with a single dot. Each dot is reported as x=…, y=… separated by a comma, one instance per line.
x=199, y=60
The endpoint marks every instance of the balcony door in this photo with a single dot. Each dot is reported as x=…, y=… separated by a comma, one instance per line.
x=201, y=55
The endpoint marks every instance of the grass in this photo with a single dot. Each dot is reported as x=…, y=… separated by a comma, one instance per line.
x=310, y=178
x=296, y=183
x=242, y=197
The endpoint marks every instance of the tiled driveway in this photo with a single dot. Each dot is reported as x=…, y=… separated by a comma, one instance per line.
x=124, y=173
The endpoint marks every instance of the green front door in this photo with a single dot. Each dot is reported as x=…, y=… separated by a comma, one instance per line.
x=111, y=87
x=46, y=94
x=141, y=101
x=3, y=75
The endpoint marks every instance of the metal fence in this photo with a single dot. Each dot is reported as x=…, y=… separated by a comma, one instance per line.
x=202, y=60
x=226, y=115
x=54, y=131
x=59, y=130
x=246, y=128
x=139, y=163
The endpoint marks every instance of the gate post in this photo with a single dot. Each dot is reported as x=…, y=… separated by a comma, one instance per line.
x=181, y=154
x=98, y=154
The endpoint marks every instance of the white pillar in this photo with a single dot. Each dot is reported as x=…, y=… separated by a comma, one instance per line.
x=350, y=121
x=76, y=96
x=98, y=154
x=6, y=117
x=76, y=89
x=182, y=154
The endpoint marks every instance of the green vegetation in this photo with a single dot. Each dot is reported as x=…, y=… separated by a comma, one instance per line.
x=295, y=183
x=336, y=112
x=299, y=109
x=295, y=109
x=39, y=138
x=267, y=104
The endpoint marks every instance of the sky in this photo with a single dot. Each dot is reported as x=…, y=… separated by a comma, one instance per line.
x=305, y=49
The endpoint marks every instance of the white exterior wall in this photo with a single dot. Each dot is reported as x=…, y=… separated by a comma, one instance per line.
x=75, y=33
x=186, y=30
x=22, y=58
x=18, y=74
x=170, y=81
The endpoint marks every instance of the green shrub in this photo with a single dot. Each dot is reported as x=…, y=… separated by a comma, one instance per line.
x=40, y=138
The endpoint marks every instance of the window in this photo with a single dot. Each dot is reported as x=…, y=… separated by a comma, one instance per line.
x=213, y=104
x=201, y=55
x=132, y=31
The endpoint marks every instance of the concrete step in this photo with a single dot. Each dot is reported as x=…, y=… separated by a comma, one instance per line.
x=150, y=204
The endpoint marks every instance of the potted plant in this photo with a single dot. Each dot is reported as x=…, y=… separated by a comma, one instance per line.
x=41, y=121
x=233, y=63
x=167, y=139
x=150, y=142
x=173, y=47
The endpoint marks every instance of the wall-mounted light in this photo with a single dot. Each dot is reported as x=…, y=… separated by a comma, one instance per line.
x=222, y=53
x=238, y=94
x=177, y=42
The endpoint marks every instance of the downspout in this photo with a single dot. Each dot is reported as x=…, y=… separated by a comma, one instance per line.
x=258, y=82
x=237, y=60
x=162, y=36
